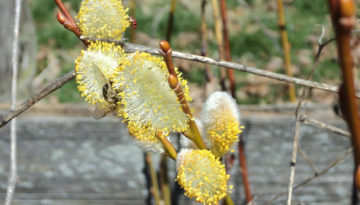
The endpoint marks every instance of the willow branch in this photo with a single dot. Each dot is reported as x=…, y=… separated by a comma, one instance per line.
x=37, y=97
x=64, y=17
x=308, y=160
x=227, y=50
x=310, y=121
x=168, y=147
x=175, y=85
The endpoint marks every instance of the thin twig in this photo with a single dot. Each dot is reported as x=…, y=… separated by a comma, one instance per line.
x=227, y=50
x=174, y=84
x=307, y=159
x=37, y=97
x=303, y=96
x=293, y=157
x=320, y=173
x=14, y=58
x=231, y=77
x=244, y=171
x=64, y=17
x=311, y=121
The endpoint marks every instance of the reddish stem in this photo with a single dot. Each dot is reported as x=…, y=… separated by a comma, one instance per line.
x=343, y=17
x=243, y=167
x=64, y=17
x=227, y=50
x=242, y=157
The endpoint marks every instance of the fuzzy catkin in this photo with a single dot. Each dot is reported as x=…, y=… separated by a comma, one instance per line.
x=147, y=100
x=105, y=19
x=95, y=67
x=202, y=176
x=220, y=118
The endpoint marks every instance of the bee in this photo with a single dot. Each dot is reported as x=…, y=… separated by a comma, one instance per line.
x=133, y=22
x=110, y=96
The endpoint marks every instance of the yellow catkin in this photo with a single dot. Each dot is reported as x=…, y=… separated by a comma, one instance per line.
x=103, y=19
x=220, y=118
x=147, y=100
x=202, y=176
x=223, y=133
x=95, y=67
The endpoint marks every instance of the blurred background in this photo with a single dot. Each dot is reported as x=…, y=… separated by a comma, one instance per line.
x=66, y=157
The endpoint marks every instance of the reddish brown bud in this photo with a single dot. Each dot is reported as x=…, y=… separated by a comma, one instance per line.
x=347, y=8
x=173, y=81
x=60, y=17
x=165, y=46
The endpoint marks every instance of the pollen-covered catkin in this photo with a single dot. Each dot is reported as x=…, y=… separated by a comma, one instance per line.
x=220, y=118
x=105, y=19
x=147, y=100
x=95, y=67
x=202, y=176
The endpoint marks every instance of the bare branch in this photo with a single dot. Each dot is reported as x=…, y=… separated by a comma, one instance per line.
x=310, y=121
x=37, y=97
x=308, y=160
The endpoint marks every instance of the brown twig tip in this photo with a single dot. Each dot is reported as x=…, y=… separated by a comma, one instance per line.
x=61, y=18
x=347, y=14
x=347, y=8
x=165, y=46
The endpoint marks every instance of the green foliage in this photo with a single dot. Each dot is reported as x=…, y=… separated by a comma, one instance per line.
x=312, y=7
x=256, y=43
x=327, y=69
x=183, y=21
x=197, y=76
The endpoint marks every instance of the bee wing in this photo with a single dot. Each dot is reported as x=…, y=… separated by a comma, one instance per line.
x=101, y=111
